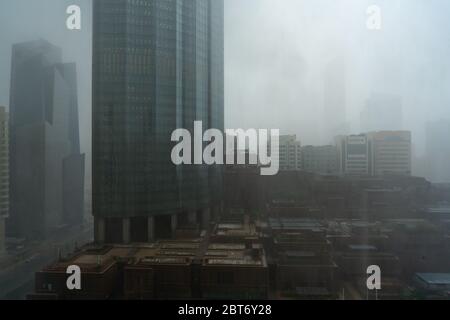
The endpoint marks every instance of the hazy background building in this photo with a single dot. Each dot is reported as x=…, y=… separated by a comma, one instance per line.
x=437, y=155
x=382, y=112
x=335, y=99
x=47, y=169
x=375, y=153
x=290, y=153
x=391, y=152
x=157, y=66
x=354, y=154
x=4, y=176
x=320, y=159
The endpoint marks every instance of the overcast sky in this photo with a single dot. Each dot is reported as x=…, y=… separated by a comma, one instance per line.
x=276, y=53
x=275, y=56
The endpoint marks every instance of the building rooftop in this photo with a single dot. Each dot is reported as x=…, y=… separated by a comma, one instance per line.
x=226, y=246
x=235, y=261
x=440, y=210
x=362, y=247
x=295, y=223
x=100, y=258
x=300, y=254
x=163, y=260
x=435, y=278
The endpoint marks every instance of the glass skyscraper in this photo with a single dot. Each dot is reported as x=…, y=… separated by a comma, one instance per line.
x=157, y=66
x=46, y=166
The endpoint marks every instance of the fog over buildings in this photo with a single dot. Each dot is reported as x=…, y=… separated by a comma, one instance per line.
x=23, y=20
x=277, y=54
x=361, y=177
x=276, y=58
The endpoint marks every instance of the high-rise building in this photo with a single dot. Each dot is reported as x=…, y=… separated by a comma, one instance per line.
x=382, y=112
x=157, y=66
x=290, y=153
x=354, y=154
x=4, y=176
x=391, y=152
x=437, y=151
x=320, y=159
x=46, y=167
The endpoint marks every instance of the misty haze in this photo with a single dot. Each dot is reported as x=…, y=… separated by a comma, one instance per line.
x=358, y=89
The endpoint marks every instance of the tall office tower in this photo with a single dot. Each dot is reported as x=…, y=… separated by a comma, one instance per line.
x=437, y=151
x=157, y=66
x=47, y=169
x=4, y=176
x=391, y=152
x=382, y=112
x=335, y=99
x=290, y=153
x=354, y=154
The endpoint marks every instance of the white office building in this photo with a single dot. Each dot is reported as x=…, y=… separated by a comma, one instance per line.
x=375, y=153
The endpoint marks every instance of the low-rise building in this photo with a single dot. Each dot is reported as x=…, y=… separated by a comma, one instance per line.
x=178, y=269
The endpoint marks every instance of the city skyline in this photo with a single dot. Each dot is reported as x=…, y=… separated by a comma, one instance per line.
x=370, y=60
x=224, y=150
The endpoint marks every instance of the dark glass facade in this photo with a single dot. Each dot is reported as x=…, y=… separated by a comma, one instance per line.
x=157, y=66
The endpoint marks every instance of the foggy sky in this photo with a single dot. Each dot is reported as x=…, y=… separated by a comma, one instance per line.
x=275, y=57
x=277, y=51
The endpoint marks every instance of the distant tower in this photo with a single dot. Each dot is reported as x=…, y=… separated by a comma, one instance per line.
x=47, y=169
x=335, y=99
x=438, y=151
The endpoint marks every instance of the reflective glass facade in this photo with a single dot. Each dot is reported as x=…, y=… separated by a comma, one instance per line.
x=157, y=66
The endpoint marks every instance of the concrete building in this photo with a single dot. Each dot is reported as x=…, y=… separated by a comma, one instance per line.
x=354, y=154
x=302, y=255
x=178, y=269
x=391, y=152
x=4, y=176
x=46, y=167
x=157, y=66
x=290, y=153
x=319, y=159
